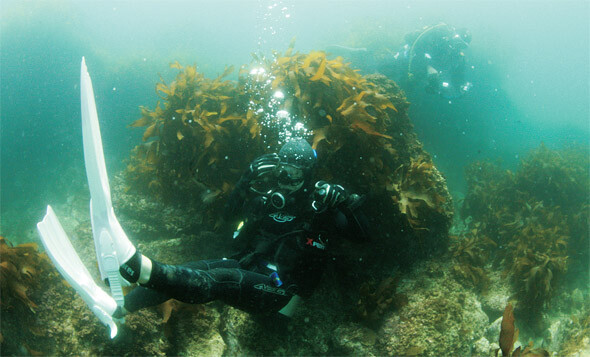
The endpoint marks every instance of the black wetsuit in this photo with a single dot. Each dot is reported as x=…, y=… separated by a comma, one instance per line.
x=280, y=253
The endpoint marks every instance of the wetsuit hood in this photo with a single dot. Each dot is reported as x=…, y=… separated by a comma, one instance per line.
x=298, y=153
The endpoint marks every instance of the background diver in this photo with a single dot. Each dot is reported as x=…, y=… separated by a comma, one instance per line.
x=433, y=57
x=288, y=226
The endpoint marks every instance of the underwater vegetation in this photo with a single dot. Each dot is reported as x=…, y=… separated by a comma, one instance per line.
x=579, y=334
x=414, y=188
x=21, y=271
x=195, y=132
x=509, y=335
x=204, y=132
x=533, y=222
x=377, y=299
x=470, y=254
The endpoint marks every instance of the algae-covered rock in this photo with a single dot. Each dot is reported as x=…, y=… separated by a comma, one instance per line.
x=482, y=347
x=496, y=296
x=205, y=133
x=352, y=339
x=441, y=318
x=148, y=218
x=577, y=339
x=196, y=332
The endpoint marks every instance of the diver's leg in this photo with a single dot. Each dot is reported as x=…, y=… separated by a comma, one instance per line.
x=255, y=293
x=246, y=290
x=142, y=297
x=243, y=289
x=212, y=264
x=136, y=269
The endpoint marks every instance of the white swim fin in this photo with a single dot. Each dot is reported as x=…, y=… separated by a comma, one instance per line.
x=68, y=263
x=113, y=248
x=111, y=243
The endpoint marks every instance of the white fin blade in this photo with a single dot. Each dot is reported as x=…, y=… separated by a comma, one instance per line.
x=101, y=209
x=96, y=170
x=68, y=263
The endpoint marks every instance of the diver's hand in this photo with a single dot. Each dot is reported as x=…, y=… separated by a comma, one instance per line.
x=327, y=196
x=262, y=165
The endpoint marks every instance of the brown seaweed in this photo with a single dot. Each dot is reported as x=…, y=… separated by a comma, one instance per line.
x=508, y=333
x=534, y=218
x=200, y=140
x=21, y=270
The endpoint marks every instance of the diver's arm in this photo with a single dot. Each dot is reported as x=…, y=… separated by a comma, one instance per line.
x=236, y=202
x=237, y=198
x=349, y=218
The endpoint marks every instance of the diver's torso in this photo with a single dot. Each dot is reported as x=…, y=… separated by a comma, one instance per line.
x=290, y=240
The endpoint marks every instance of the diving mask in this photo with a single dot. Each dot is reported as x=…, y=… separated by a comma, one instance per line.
x=290, y=177
x=286, y=177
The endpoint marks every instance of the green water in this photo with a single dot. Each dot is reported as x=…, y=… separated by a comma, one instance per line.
x=528, y=62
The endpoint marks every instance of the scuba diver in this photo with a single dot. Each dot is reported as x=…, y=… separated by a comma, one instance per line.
x=433, y=57
x=282, y=242
x=288, y=225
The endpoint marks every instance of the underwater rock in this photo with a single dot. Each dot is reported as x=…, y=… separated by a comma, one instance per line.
x=352, y=339
x=233, y=324
x=577, y=298
x=376, y=299
x=441, y=318
x=194, y=332
x=482, y=347
x=496, y=296
x=247, y=334
x=69, y=327
x=555, y=334
x=493, y=330
x=577, y=339
x=148, y=218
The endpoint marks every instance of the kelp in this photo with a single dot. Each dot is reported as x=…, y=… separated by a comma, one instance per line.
x=533, y=217
x=509, y=335
x=414, y=188
x=202, y=135
x=508, y=332
x=25, y=274
x=470, y=254
x=21, y=271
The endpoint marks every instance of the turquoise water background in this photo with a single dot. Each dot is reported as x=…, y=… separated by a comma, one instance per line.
x=530, y=73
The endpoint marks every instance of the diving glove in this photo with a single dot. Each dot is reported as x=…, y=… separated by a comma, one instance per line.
x=327, y=196
x=263, y=165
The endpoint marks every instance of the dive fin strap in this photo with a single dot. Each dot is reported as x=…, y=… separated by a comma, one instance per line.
x=106, y=254
x=68, y=263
